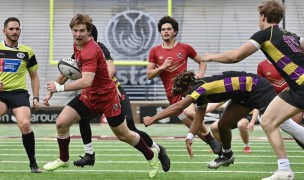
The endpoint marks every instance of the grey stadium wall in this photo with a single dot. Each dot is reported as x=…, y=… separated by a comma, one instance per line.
x=207, y=25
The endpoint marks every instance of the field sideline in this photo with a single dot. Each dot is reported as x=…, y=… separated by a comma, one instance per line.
x=117, y=160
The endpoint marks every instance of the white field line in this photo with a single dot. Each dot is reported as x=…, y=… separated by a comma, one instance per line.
x=104, y=149
x=144, y=162
x=78, y=141
x=120, y=144
x=140, y=155
x=158, y=138
x=145, y=171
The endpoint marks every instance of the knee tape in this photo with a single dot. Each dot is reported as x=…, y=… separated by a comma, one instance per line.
x=182, y=116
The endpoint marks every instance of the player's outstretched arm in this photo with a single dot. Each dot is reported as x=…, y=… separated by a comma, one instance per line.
x=254, y=117
x=232, y=56
x=194, y=128
x=174, y=109
x=202, y=66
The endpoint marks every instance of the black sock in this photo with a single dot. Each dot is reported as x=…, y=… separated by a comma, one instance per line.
x=29, y=145
x=228, y=154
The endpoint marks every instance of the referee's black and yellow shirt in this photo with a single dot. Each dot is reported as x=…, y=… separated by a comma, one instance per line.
x=283, y=49
x=14, y=63
x=222, y=87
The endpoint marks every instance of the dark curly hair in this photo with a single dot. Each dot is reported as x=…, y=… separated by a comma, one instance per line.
x=183, y=81
x=169, y=20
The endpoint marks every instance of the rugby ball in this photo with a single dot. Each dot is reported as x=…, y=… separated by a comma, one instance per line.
x=69, y=68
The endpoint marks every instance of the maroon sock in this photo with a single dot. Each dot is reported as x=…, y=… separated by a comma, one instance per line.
x=64, y=149
x=208, y=137
x=142, y=147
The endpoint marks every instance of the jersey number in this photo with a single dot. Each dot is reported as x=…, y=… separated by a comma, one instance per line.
x=292, y=43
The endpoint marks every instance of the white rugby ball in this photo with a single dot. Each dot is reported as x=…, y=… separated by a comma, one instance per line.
x=69, y=68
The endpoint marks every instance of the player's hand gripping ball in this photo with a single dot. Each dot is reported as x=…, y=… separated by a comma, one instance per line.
x=69, y=68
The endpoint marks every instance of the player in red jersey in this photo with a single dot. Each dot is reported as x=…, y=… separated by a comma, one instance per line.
x=98, y=96
x=170, y=59
x=85, y=128
x=268, y=71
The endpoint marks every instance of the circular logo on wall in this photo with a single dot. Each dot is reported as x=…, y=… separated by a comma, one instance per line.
x=131, y=34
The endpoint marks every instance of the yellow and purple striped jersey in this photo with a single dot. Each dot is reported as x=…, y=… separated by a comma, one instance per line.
x=283, y=49
x=227, y=85
x=14, y=63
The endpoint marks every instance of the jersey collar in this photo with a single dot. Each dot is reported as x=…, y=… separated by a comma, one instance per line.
x=7, y=46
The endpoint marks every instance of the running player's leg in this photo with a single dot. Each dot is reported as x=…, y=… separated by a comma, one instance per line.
x=276, y=113
x=120, y=129
x=295, y=130
x=126, y=108
x=72, y=113
x=214, y=131
x=298, y=119
x=226, y=122
x=86, y=136
x=242, y=126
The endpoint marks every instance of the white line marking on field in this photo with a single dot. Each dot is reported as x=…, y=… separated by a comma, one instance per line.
x=145, y=171
x=144, y=162
x=171, y=155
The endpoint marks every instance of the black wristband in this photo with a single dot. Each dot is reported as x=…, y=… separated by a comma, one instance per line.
x=36, y=98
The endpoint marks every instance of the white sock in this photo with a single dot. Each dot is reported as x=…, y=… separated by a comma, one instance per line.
x=88, y=148
x=293, y=129
x=283, y=164
x=154, y=145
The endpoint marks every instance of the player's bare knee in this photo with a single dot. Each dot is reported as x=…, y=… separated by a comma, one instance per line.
x=25, y=127
x=124, y=137
x=61, y=127
x=242, y=126
x=266, y=125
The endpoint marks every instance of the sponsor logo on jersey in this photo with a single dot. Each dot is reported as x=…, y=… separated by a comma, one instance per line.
x=9, y=65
